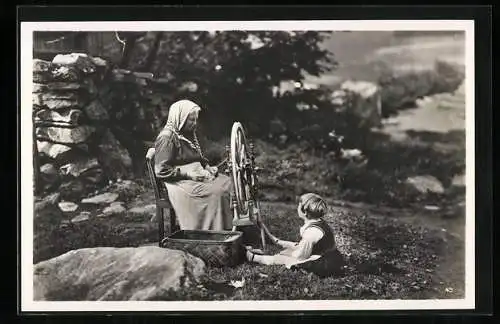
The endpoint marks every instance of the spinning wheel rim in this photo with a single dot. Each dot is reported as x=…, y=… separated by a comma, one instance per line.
x=239, y=152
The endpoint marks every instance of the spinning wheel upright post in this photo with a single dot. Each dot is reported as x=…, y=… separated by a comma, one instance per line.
x=246, y=207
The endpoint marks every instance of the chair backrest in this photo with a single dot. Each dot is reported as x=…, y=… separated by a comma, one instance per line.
x=150, y=161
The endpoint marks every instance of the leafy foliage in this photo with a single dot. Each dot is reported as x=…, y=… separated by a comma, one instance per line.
x=231, y=74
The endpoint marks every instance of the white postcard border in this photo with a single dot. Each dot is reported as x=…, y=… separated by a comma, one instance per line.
x=27, y=196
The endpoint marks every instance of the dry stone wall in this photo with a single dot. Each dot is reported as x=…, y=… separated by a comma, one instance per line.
x=73, y=114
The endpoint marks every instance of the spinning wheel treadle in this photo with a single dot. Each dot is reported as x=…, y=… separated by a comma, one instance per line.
x=246, y=207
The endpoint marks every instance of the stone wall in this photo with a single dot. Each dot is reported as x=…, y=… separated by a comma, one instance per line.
x=72, y=103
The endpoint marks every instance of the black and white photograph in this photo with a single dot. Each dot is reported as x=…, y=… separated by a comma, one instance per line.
x=247, y=165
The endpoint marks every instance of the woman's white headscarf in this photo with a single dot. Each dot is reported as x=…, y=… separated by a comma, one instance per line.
x=177, y=116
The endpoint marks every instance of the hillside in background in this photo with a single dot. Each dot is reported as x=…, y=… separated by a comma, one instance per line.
x=363, y=55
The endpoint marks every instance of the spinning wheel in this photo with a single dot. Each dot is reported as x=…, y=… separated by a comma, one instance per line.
x=246, y=208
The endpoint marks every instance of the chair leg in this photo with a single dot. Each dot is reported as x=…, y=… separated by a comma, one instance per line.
x=161, y=225
x=173, y=221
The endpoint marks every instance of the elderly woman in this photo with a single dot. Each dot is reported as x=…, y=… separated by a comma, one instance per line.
x=199, y=195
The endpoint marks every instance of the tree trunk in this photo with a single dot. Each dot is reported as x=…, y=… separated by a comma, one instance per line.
x=148, y=65
x=128, y=50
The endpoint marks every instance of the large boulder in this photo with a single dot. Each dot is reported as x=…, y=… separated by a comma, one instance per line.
x=106, y=273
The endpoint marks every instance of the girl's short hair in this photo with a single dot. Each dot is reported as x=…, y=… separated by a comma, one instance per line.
x=313, y=205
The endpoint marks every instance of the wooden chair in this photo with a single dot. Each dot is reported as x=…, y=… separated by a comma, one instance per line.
x=161, y=197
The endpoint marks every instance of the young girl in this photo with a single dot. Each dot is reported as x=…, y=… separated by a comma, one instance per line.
x=316, y=252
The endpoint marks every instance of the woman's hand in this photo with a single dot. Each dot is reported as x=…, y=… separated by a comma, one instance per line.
x=212, y=169
x=202, y=176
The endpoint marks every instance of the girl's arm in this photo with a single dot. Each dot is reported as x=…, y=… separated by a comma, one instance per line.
x=304, y=248
x=282, y=243
x=286, y=244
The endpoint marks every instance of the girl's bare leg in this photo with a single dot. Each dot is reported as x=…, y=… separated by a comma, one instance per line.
x=276, y=259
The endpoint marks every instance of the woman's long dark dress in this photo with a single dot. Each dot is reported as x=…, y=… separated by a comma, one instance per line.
x=198, y=205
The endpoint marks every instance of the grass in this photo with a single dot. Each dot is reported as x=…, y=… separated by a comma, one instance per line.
x=387, y=258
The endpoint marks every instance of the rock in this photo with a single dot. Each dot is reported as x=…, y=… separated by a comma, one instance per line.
x=49, y=174
x=119, y=274
x=149, y=210
x=59, y=152
x=65, y=73
x=99, y=61
x=426, y=184
x=63, y=86
x=79, y=60
x=114, y=209
x=80, y=167
x=66, y=95
x=39, y=87
x=363, y=99
x=95, y=111
x=57, y=104
x=68, y=206
x=105, y=198
x=37, y=100
x=71, y=117
x=83, y=216
x=114, y=157
x=75, y=135
x=41, y=66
